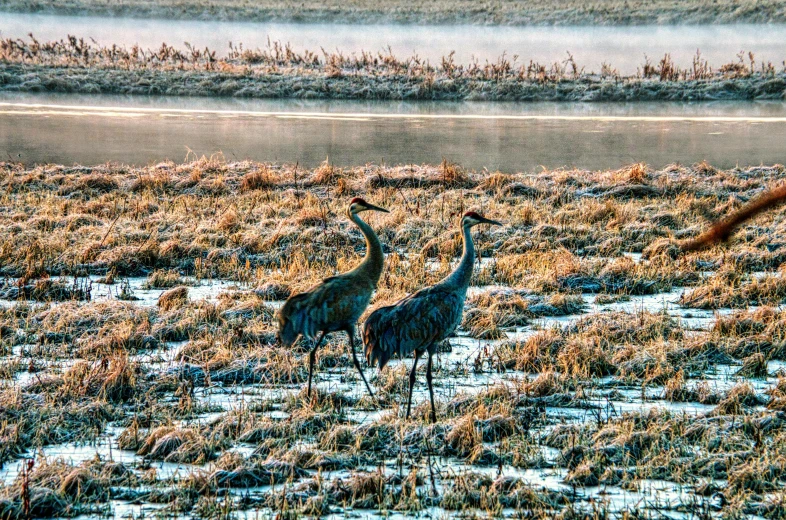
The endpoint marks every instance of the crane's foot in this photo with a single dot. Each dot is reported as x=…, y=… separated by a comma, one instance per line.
x=375, y=404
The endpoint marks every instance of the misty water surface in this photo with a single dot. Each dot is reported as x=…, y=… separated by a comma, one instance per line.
x=622, y=47
x=510, y=137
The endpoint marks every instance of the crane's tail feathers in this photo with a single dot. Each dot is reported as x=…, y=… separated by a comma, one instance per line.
x=377, y=351
x=722, y=230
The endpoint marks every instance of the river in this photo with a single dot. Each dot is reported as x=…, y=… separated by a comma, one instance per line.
x=71, y=129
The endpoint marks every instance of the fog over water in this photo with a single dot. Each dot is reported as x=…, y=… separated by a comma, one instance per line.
x=622, y=47
x=70, y=129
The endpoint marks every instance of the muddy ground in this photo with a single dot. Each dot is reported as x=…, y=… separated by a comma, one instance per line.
x=595, y=373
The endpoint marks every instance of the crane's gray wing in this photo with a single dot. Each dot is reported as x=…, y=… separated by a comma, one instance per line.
x=414, y=323
x=331, y=305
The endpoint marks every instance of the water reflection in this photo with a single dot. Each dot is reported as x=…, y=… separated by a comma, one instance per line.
x=510, y=137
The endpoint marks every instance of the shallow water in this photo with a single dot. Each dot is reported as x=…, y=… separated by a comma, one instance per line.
x=622, y=47
x=105, y=448
x=134, y=286
x=197, y=290
x=510, y=137
x=603, y=399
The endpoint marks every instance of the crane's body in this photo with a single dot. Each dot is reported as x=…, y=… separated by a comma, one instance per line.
x=335, y=304
x=417, y=323
x=338, y=302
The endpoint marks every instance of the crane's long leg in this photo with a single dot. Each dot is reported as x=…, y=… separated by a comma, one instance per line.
x=412, y=380
x=312, y=355
x=430, y=388
x=351, y=334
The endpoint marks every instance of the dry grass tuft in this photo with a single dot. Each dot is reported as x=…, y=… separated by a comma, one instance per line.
x=160, y=279
x=173, y=299
x=262, y=179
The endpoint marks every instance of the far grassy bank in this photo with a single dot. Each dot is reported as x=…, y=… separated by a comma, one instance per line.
x=76, y=66
x=517, y=12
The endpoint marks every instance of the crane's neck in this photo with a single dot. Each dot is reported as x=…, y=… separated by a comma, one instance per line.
x=374, y=262
x=460, y=278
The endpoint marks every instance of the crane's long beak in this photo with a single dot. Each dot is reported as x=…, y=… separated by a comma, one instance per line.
x=485, y=220
x=376, y=208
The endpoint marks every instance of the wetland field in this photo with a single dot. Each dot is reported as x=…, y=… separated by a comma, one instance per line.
x=596, y=373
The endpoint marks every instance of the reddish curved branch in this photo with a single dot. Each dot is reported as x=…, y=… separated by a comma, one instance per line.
x=723, y=229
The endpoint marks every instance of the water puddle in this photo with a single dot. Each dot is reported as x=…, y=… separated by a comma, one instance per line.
x=134, y=289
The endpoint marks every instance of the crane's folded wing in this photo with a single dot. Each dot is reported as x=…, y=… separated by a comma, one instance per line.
x=414, y=323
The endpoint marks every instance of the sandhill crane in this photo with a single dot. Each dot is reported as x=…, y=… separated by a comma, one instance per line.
x=337, y=303
x=420, y=321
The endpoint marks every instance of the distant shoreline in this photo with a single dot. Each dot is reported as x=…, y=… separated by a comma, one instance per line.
x=75, y=65
x=37, y=78
x=517, y=13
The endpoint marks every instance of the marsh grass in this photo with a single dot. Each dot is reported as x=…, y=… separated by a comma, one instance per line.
x=163, y=280
x=56, y=488
x=636, y=346
x=173, y=298
x=225, y=241
x=729, y=289
x=279, y=71
x=186, y=445
x=489, y=312
x=544, y=401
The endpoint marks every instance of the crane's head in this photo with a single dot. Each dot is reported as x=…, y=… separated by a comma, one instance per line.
x=287, y=334
x=471, y=219
x=358, y=205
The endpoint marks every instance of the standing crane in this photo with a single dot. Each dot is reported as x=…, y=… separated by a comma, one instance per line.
x=420, y=321
x=338, y=302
